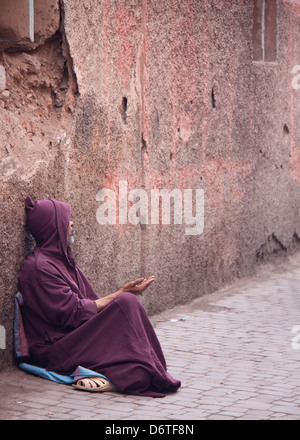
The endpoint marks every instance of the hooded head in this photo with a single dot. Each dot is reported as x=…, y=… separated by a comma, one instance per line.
x=48, y=222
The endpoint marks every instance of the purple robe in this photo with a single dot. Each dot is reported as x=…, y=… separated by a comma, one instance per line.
x=61, y=322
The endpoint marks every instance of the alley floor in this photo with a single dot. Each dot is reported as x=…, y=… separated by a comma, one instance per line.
x=236, y=352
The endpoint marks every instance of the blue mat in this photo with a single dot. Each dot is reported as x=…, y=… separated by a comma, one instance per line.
x=79, y=373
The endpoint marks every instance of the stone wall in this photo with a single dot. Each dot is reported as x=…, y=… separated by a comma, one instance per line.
x=159, y=95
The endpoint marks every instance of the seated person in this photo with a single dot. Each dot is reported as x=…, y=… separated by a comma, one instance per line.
x=66, y=323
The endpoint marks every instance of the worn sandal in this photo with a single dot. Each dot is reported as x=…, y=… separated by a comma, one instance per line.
x=95, y=384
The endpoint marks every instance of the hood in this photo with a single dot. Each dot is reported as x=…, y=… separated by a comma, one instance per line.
x=48, y=221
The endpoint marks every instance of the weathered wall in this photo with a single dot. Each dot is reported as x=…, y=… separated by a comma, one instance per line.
x=160, y=94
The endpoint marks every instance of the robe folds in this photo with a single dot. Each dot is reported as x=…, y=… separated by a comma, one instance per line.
x=61, y=322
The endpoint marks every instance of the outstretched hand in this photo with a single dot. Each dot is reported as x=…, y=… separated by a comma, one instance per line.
x=138, y=286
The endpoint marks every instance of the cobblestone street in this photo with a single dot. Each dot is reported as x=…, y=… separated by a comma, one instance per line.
x=235, y=351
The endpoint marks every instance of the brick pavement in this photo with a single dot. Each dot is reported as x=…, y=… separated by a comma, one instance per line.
x=234, y=351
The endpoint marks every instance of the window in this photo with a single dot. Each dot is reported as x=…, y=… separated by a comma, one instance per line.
x=265, y=30
x=16, y=21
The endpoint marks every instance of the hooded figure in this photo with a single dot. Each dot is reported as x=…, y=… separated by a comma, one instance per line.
x=66, y=323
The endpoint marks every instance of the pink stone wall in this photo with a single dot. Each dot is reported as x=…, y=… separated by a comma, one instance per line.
x=160, y=95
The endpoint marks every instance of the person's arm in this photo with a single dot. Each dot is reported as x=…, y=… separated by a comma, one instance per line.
x=56, y=301
x=137, y=287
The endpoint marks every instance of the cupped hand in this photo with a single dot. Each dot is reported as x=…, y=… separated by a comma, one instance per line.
x=137, y=286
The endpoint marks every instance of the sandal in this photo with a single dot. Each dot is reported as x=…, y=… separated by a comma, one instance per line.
x=95, y=384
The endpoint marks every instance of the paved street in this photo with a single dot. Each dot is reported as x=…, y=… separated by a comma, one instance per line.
x=236, y=352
